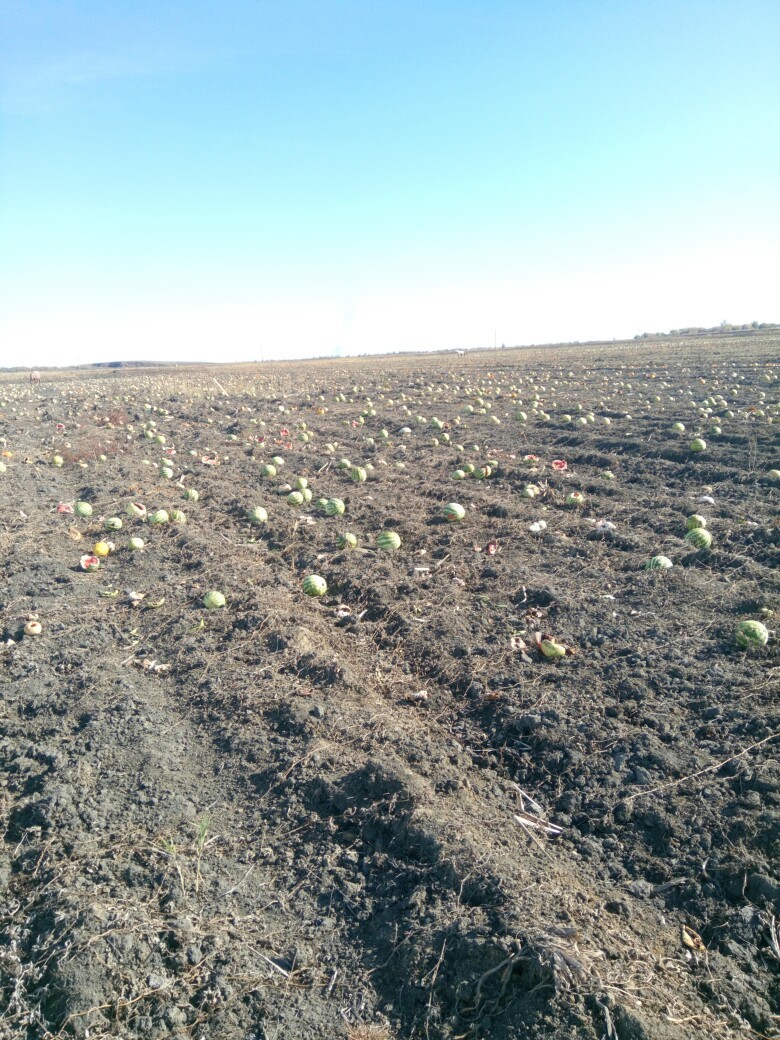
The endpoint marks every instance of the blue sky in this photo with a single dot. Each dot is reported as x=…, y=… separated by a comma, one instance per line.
x=192, y=180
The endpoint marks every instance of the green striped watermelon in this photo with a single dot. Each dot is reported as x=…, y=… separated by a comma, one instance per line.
x=694, y=521
x=453, y=512
x=658, y=563
x=388, y=541
x=314, y=585
x=751, y=634
x=699, y=538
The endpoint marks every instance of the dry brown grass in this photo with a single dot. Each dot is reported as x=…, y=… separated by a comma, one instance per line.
x=368, y=1033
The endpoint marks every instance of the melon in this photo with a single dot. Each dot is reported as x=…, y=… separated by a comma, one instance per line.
x=314, y=585
x=334, y=507
x=389, y=541
x=750, y=634
x=658, y=563
x=699, y=538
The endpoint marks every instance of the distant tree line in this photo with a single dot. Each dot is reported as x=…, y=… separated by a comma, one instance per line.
x=725, y=326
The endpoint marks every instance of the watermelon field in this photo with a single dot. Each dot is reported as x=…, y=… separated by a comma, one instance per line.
x=405, y=698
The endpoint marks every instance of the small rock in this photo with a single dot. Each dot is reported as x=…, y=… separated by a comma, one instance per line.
x=761, y=886
x=618, y=907
x=174, y=1016
x=641, y=888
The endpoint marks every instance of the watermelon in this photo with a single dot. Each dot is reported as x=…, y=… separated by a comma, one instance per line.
x=388, y=541
x=751, y=634
x=454, y=512
x=83, y=509
x=334, y=507
x=699, y=538
x=658, y=563
x=314, y=585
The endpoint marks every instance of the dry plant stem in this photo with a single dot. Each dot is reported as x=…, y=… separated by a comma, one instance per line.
x=701, y=772
x=169, y=847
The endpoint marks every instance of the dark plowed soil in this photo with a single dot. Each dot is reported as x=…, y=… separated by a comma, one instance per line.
x=385, y=813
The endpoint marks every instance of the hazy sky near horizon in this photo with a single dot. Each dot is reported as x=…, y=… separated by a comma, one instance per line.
x=288, y=178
